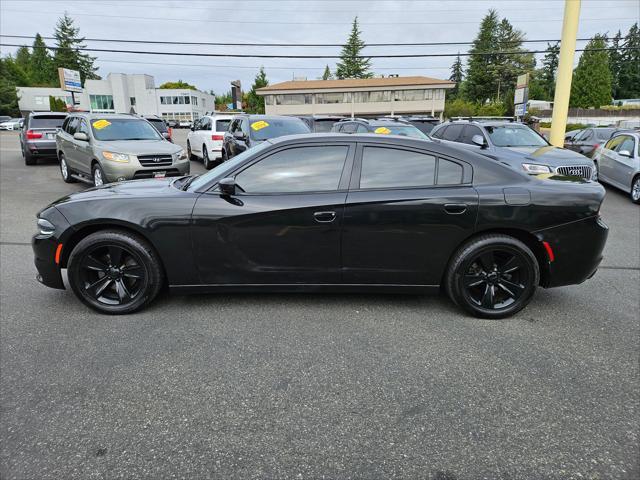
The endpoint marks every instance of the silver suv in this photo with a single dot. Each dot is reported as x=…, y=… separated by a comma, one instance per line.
x=103, y=148
x=618, y=162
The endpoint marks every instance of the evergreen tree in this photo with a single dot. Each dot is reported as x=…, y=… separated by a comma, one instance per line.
x=10, y=76
x=480, y=75
x=42, y=72
x=68, y=53
x=457, y=75
x=352, y=64
x=327, y=74
x=255, y=103
x=616, y=57
x=591, y=86
x=23, y=60
x=506, y=68
x=629, y=76
x=549, y=69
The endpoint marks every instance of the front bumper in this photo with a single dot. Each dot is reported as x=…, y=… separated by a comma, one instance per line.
x=577, y=248
x=132, y=171
x=45, y=248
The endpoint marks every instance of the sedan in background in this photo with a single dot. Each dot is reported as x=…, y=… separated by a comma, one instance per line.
x=569, y=136
x=618, y=163
x=12, y=124
x=323, y=212
x=589, y=139
x=380, y=126
x=38, y=135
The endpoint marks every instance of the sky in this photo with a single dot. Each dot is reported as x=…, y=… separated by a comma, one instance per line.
x=293, y=21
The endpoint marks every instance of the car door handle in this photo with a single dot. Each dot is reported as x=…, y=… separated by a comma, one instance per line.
x=455, y=208
x=324, y=217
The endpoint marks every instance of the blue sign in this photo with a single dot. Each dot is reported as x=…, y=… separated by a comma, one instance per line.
x=520, y=109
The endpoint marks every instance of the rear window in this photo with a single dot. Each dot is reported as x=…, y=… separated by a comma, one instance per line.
x=222, y=125
x=159, y=124
x=604, y=133
x=49, y=121
x=323, y=126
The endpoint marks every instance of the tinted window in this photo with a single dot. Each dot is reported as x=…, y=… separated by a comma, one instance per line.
x=222, y=125
x=449, y=173
x=390, y=167
x=305, y=169
x=424, y=127
x=514, y=136
x=271, y=127
x=83, y=128
x=322, y=126
x=72, y=125
x=468, y=132
x=439, y=133
x=47, y=122
x=349, y=128
x=158, y=124
x=452, y=133
x=123, y=129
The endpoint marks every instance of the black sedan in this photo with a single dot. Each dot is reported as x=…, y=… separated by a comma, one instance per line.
x=329, y=212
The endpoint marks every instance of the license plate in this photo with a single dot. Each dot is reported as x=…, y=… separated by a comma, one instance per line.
x=51, y=136
x=159, y=174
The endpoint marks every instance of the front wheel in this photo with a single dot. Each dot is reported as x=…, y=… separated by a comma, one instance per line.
x=114, y=272
x=493, y=276
x=98, y=176
x=635, y=190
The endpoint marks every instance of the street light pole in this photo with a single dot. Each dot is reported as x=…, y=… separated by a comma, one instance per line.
x=565, y=72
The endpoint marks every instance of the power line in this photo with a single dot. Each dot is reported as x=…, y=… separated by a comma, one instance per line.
x=227, y=44
x=251, y=55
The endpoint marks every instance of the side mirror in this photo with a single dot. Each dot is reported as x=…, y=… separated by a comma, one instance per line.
x=239, y=135
x=81, y=136
x=479, y=140
x=227, y=186
x=625, y=153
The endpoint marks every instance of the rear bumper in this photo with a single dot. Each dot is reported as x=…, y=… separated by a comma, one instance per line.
x=577, y=248
x=42, y=147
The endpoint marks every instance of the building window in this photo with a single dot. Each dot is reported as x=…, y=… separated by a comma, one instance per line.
x=194, y=100
x=132, y=101
x=269, y=99
x=410, y=95
x=331, y=98
x=40, y=100
x=101, y=102
x=294, y=99
x=370, y=97
x=187, y=100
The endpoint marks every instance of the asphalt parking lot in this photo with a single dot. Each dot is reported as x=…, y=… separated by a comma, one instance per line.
x=314, y=386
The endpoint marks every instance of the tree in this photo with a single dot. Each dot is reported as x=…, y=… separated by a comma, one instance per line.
x=57, y=104
x=327, y=74
x=507, y=67
x=480, y=74
x=23, y=60
x=629, y=76
x=591, y=86
x=69, y=46
x=10, y=76
x=42, y=72
x=255, y=103
x=549, y=69
x=178, y=84
x=457, y=75
x=616, y=59
x=352, y=64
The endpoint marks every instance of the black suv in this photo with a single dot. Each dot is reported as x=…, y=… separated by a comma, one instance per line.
x=247, y=131
x=385, y=126
x=320, y=123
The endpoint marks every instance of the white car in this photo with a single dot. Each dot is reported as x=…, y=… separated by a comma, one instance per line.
x=205, y=138
x=13, y=124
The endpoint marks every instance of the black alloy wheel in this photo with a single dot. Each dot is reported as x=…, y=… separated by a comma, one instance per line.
x=114, y=272
x=493, y=276
x=206, y=161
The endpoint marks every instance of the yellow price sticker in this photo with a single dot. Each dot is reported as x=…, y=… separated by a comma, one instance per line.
x=382, y=130
x=259, y=125
x=100, y=124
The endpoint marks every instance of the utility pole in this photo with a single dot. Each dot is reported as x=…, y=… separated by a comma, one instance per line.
x=565, y=72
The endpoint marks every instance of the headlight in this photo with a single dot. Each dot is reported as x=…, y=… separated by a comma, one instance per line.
x=45, y=227
x=116, y=157
x=533, y=169
x=181, y=155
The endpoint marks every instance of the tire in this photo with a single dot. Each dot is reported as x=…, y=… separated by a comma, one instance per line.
x=596, y=172
x=225, y=157
x=206, y=161
x=98, y=176
x=635, y=190
x=29, y=159
x=492, y=276
x=190, y=154
x=114, y=272
x=65, y=171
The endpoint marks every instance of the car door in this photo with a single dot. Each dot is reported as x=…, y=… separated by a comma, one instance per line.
x=283, y=224
x=406, y=212
x=606, y=159
x=83, y=151
x=69, y=144
x=623, y=166
x=192, y=136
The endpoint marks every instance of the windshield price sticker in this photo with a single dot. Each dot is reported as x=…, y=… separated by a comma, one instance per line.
x=100, y=124
x=383, y=130
x=259, y=125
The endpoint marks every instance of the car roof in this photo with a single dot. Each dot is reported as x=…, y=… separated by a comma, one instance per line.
x=48, y=114
x=115, y=116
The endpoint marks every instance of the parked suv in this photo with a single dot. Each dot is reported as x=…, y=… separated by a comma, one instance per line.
x=588, y=141
x=247, y=131
x=206, y=137
x=160, y=125
x=104, y=148
x=514, y=144
x=384, y=126
x=38, y=135
x=618, y=162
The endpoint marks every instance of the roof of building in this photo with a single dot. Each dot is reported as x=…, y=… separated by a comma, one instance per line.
x=354, y=83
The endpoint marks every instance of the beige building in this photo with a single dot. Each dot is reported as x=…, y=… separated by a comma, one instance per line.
x=357, y=97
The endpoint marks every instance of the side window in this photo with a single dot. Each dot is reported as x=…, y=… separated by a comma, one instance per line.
x=453, y=132
x=614, y=142
x=234, y=126
x=362, y=129
x=304, y=169
x=349, y=127
x=626, y=144
x=244, y=126
x=449, y=173
x=439, y=133
x=391, y=167
x=72, y=126
x=468, y=132
x=83, y=127
x=586, y=135
x=64, y=124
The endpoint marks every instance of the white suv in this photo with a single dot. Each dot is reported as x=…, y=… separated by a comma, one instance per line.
x=205, y=138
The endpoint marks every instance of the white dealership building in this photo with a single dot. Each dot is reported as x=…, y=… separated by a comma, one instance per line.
x=123, y=93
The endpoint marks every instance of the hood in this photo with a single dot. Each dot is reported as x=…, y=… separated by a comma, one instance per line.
x=547, y=155
x=140, y=147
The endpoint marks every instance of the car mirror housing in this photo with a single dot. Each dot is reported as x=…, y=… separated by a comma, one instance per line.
x=479, y=140
x=239, y=135
x=227, y=186
x=625, y=153
x=81, y=136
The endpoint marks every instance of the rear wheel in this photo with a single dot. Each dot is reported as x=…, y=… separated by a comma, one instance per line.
x=65, y=171
x=114, y=272
x=635, y=190
x=493, y=276
x=206, y=161
x=189, y=152
x=225, y=157
x=29, y=159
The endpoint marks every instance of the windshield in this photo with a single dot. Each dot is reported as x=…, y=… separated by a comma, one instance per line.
x=265, y=128
x=226, y=166
x=424, y=127
x=514, y=136
x=107, y=129
x=404, y=130
x=604, y=133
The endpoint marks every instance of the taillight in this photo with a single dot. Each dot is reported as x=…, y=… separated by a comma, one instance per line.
x=217, y=137
x=170, y=131
x=31, y=135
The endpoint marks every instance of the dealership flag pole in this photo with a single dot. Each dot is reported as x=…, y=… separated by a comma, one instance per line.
x=565, y=72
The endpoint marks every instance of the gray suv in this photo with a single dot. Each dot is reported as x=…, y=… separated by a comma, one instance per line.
x=103, y=148
x=516, y=145
x=618, y=162
x=38, y=135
